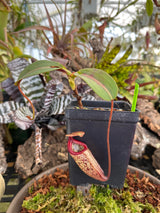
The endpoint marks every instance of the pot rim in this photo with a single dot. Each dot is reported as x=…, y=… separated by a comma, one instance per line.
x=125, y=115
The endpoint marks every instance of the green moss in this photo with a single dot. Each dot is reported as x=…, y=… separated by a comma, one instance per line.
x=31, y=189
x=100, y=200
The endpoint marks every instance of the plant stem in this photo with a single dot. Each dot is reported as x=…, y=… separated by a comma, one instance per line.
x=108, y=143
x=79, y=98
x=33, y=109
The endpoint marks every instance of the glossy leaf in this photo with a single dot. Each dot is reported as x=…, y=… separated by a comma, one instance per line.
x=149, y=7
x=101, y=83
x=17, y=52
x=39, y=67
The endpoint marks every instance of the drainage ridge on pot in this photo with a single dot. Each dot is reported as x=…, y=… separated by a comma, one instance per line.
x=94, y=123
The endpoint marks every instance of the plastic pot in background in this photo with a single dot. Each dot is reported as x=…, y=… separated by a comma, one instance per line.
x=94, y=123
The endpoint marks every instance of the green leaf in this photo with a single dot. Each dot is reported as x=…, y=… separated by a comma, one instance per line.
x=87, y=25
x=149, y=7
x=101, y=83
x=135, y=98
x=39, y=67
x=17, y=52
x=82, y=34
x=126, y=95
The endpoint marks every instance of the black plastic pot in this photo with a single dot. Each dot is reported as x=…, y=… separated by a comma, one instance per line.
x=94, y=123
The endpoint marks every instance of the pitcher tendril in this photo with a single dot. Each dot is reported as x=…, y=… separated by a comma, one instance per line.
x=108, y=143
x=33, y=109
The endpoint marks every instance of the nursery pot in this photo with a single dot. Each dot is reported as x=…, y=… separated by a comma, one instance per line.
x=93, y=120
x=16, y=203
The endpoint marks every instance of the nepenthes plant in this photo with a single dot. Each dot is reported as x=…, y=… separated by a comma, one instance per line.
x=99, y=81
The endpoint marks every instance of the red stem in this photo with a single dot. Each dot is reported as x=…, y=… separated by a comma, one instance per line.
x=79, y=98
x=27, y=100
x=108, y=143
x=142, y=84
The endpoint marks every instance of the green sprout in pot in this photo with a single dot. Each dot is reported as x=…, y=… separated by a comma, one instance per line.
x=135, y=96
